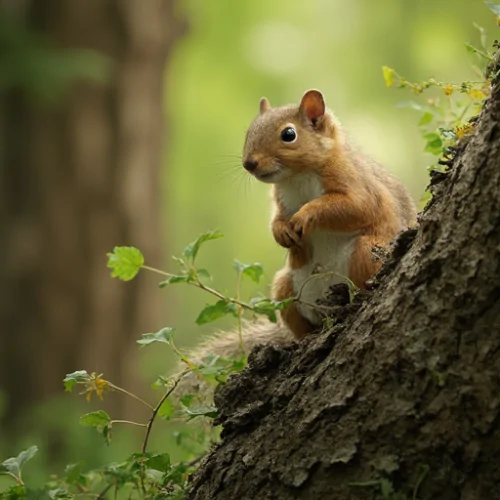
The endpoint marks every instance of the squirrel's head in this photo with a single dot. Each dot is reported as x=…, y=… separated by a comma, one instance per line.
x=288, y=140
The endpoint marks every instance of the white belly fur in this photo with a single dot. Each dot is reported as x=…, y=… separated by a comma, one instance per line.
x=331, y=251
x=331, y=256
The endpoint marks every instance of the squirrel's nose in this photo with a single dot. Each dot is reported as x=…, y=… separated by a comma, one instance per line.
x=250, y=164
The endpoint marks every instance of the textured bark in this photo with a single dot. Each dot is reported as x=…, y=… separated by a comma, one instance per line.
x=409, y=383
x=75, y=180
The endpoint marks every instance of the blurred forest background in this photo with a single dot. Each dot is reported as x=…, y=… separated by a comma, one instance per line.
x=121, y=122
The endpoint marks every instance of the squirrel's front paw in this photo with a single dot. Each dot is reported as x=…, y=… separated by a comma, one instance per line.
x=302, y=223
x=285, y=236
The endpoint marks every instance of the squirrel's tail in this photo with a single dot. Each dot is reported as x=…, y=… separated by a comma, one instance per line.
x=227, y=345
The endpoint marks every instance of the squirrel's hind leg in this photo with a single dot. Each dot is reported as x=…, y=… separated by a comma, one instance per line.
x=363, y=265
x=291, y=317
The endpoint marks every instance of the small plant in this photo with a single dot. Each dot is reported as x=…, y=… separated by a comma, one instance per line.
x=447, y=116
x=147, y=474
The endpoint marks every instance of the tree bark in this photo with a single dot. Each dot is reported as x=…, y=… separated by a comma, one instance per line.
x=404, y=394
x=76, y=180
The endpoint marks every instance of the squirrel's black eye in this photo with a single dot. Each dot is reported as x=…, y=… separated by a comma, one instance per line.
x=288, y=134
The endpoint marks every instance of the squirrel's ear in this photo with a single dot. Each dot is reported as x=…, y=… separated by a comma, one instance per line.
x=312, y=105
x=264, y=105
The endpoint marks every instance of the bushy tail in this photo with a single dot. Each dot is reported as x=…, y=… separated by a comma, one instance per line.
x=227, y=345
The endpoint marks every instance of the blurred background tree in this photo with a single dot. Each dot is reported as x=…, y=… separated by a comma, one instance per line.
x=83, y=174
x=80, y=162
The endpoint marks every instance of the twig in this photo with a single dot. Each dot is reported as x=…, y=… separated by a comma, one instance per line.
x=156, y=409
x=237, y=302
x=119, y=389
x=104, y=491
x=127, y=422
x=18, y=480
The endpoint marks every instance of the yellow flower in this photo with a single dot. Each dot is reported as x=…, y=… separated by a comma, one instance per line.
x=98, y=385
x=448, y=90
x=464, y=130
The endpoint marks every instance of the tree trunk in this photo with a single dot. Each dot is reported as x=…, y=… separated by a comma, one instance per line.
x=402, y=398
x=76, y=180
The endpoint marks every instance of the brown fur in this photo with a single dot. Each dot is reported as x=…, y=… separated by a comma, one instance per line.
x=358, y=195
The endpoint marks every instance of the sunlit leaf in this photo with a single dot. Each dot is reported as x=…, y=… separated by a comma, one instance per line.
x=191, y=251
x=125, y=262
x=426, y=119
x=388, y=74
x=164, y=336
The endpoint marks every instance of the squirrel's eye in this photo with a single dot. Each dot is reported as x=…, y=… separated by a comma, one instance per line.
x=288, y=134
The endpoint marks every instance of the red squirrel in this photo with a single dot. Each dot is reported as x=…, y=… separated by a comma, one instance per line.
x=331, y=204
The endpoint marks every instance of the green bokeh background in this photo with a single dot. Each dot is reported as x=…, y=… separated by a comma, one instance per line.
x=234, y=53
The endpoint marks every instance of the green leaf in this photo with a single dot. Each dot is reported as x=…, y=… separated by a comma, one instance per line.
x=191, y=251
x=166, y=410
x=14, y=465
x=471, y=48
x=495, y=8
x=95, y=419
x=216, y=311
x=253, y=271
x=209, y=411
x=101, y=421
x=388, y=74
x=426, y=119
x=187, y=399
x=434, y=143
x=268, y=307
x=164, y=336
x=159, y=462
x=174, y=279
x=125, y=262
x=204, y=275
x=73, y=472
x=77, y=377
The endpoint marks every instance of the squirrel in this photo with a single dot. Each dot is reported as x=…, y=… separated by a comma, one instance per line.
x=331, y=206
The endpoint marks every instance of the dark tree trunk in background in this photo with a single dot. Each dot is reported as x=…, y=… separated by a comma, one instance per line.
x=76, y=180
x=406, y=390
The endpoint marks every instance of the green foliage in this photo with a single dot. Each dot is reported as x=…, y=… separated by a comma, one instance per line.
x=125, y=262
x=74, y=378
x=445, y=117
x=164, y=335
x=213, y=312
x=14, y=466
x=252, y=271
x=191, y=251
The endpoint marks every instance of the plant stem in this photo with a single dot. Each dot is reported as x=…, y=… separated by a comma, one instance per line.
x=199, y=284
x=18, y=480
x=128, y=422
x=156, y=409
x=157, y=271
x=132, y=395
